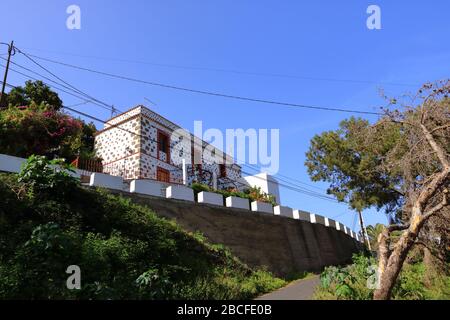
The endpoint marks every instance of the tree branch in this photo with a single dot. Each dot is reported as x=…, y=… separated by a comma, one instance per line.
x=397, y=227
x=439, y=128
x=436, y=208
x=436, y=148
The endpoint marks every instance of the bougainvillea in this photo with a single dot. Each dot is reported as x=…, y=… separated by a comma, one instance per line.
x=36, y=129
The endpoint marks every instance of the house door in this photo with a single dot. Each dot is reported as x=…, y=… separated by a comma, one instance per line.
x=162, y=175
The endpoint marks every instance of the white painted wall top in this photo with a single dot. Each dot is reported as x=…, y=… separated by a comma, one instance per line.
x=262, y=207
x=106, y=181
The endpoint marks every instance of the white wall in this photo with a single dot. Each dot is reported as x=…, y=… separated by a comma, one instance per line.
x=10, y=163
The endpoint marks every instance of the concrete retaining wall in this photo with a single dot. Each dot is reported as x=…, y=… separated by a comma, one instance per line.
x=302, y=215
x=283, y=245
x=306, y=242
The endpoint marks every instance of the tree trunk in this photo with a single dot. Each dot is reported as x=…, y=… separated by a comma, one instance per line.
x=392, y=266
x=391, y=270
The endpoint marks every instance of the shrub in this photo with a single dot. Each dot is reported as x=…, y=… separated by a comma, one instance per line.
x=350, y=282
x=124, y=250
x=347, y=283
x=41, y=130
x=44, y=177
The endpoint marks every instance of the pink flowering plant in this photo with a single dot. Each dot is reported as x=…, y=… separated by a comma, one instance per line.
x=37, y=129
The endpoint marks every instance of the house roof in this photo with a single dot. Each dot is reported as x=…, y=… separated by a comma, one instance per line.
x=116, y=119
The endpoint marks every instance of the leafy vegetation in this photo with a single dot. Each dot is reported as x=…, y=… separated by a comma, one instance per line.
x=34, y=92
x=373, y=232
x=34, y=124
x=124, y=250
x=354, y=281
x=400, y=164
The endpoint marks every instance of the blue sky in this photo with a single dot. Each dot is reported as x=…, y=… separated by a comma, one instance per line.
x=307, y=52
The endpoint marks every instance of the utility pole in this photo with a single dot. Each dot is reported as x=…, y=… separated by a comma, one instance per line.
x=363, y=229
x=113, y=111
x=5, y=77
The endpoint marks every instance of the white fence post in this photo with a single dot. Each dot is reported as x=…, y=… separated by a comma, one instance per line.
x=183, y=163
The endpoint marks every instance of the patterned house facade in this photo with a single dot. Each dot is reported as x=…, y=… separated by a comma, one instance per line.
x=141, y=144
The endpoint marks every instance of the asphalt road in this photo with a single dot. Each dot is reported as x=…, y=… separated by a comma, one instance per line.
x=302, y=289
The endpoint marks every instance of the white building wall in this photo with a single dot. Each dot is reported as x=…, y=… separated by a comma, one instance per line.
x=134, y=150
x=266, y=182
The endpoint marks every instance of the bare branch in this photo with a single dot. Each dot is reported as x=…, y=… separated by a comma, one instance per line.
x=436, y=208
x=397, y=227
x=439, y=128
x=436, y=148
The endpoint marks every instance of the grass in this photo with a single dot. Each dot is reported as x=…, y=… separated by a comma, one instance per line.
x=124, y=250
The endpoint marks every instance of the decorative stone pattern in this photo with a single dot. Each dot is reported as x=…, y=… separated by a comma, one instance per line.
x=129, y=147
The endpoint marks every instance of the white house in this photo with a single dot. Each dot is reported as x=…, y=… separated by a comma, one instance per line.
x=141, y=144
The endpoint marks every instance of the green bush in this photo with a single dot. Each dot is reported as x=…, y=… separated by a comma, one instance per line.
x=350, y=282
x=346, y=283
x=44, y=177
x=124, y=250
x=43, y=130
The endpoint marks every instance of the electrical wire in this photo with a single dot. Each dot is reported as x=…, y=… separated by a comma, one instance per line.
x=204, y=92
x=239, y=72
x=56, y=87
x=63, y=81
x=297, y=189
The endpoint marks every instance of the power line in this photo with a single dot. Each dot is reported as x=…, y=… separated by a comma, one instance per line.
x=54, y=86
x=239, y=72
x=283, y=185
x=209, y=93
x=78, y=104
x=290, y=187
x=60, y=79
x=338, y=215
x=286, y=177
x=298, y=189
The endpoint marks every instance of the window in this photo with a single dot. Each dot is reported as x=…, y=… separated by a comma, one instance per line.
x=162, y=175
x=163, y=145
x=223, y=171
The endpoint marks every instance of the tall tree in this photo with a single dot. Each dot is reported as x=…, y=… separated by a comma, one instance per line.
x=423, y=162
x=400, y=164
x=41, y=127
x=34, y=91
